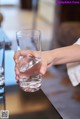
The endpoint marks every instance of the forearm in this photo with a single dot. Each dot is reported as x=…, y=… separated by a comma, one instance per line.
x=66, y=54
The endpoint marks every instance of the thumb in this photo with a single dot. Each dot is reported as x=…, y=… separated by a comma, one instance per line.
x=43, y=68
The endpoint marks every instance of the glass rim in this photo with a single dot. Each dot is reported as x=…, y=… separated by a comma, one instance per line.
x=24, y=30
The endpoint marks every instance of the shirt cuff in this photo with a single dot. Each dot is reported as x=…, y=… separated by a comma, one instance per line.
x=73, y=70
x=77, y=42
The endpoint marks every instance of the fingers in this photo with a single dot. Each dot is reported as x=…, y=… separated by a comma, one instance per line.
x=17, y=72
x=22, y=53
x=29, y=53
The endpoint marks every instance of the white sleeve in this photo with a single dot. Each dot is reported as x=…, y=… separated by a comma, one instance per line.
x=73, y=70
x=77, y=42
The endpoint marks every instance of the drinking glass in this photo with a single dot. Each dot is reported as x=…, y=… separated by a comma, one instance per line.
x=1, y=66
x=30, y=78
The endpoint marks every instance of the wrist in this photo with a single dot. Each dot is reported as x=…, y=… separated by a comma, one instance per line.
x=50, y=57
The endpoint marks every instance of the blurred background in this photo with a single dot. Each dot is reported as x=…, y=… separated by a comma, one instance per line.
x=59, y=26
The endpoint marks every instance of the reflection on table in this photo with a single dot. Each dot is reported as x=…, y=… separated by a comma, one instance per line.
x=22, y=105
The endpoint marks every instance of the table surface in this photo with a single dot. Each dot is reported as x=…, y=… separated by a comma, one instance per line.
x=22, y=105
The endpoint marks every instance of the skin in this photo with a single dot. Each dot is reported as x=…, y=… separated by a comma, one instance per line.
x=48, y=58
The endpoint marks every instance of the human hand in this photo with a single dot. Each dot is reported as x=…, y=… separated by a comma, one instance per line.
x=46, y=60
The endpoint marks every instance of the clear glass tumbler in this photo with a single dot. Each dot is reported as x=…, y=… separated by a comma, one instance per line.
x=30, y=78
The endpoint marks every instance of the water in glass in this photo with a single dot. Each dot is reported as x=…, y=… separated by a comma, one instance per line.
x=30, y=80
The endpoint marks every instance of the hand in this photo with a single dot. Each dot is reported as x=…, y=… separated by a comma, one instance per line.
x=46, y=60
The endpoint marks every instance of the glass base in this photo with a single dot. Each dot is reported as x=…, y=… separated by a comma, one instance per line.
x=30, y=84
x=27, y=89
